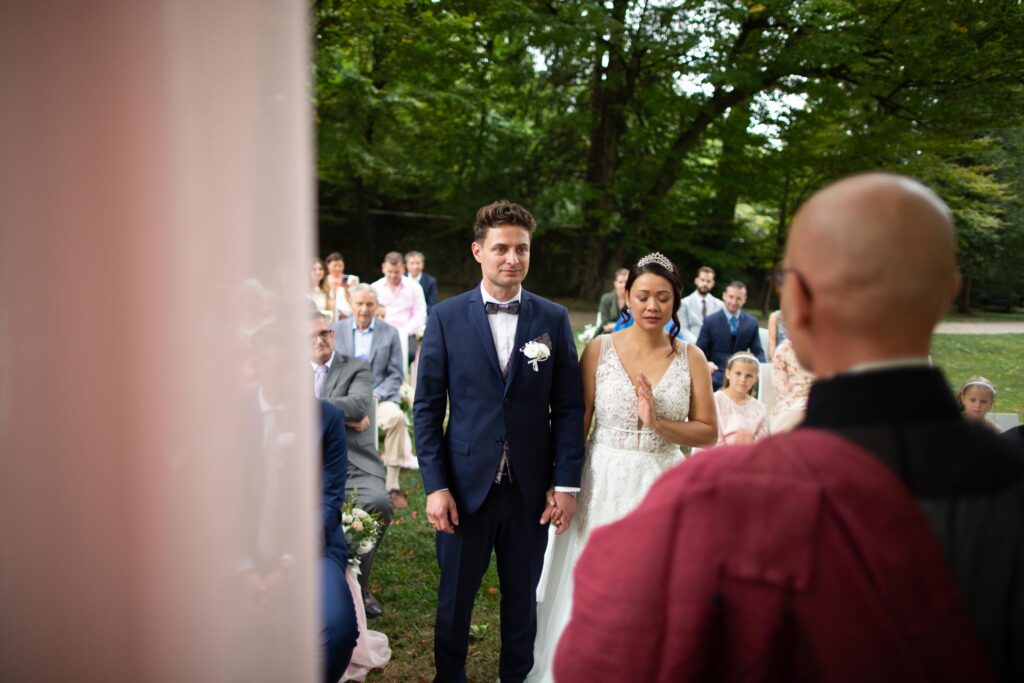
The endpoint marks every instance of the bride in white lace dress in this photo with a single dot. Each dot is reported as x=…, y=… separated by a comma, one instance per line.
x=646, y=393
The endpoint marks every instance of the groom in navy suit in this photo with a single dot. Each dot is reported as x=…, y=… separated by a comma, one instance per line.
x=729, y=331
x=504, y=361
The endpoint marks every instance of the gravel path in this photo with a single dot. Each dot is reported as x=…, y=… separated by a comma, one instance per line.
x=981, y=327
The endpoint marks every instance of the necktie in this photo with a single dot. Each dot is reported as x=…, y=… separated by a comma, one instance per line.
x=703, y=308
x=318, y=380
x=512, y=308
x=734, y=325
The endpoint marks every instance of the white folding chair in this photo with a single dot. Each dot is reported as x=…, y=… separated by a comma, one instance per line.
x=404, y=341
x=1005, y=420
x=763, y=333
x=765, y=388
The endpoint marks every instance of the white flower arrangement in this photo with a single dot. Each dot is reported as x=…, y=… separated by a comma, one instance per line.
x=587, y=334
x=536, y=352
x=406, y=393
x=361, y=530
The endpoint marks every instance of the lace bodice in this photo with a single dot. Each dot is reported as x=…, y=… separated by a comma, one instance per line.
x=616, y=423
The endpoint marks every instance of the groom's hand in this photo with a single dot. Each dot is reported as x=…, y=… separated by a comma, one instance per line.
x=441, y=512
x=566, y=504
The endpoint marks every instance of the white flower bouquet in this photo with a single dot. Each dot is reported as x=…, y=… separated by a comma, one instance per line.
x=361, y=530
x=587, y=334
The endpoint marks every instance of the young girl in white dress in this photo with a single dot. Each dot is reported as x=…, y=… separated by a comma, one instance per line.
x=741, y=417
x=646, y=394
x=975, y=399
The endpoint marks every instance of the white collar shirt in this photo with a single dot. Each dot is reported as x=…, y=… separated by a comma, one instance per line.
x=503, y=327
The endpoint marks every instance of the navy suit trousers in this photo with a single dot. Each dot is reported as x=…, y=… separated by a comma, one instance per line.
x=340, y=632
x=502, y=524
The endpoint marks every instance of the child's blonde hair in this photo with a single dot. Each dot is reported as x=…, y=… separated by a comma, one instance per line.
x=976, y=381
x=743, y=357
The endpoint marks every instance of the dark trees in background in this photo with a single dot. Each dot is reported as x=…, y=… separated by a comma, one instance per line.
x=694, y=128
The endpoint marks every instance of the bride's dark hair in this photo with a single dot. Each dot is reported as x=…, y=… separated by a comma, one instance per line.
x=671, y=273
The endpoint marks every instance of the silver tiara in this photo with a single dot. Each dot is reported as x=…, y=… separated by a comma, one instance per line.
x=656, y=257
x=745, y=356
x=977, y=383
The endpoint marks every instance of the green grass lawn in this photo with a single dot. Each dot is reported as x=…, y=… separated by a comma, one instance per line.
x=405, y=578
x=406, y=574
x=999, y=357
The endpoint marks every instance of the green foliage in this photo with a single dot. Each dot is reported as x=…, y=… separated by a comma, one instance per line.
x=692, y=127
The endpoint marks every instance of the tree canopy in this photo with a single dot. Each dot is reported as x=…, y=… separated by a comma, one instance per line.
x=695, y=128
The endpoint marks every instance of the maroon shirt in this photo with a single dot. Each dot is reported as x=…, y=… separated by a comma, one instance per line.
x=800, y=557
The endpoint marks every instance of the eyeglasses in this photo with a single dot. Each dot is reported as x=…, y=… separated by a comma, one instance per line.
x=323, y=334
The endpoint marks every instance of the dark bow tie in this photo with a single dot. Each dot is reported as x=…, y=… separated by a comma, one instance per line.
x=512, y=308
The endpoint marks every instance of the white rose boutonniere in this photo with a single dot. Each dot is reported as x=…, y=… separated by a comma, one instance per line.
x=536, y=352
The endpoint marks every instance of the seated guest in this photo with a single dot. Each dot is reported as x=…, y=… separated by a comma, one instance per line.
x=792, y=385
x=612, y=303
x=414, y=262
x=975, y=399
x=729, y=331
x=700, y=303
x=364, y=337
x=741, y=417
x=880, y=541
x=279, y=464
x=347, y=383
x=319, y=291
x=338, y=283
x=403, y=300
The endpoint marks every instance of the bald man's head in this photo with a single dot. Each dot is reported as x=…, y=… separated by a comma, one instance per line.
x=871, y=267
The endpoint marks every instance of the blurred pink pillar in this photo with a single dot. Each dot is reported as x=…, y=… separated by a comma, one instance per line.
x=155, y=156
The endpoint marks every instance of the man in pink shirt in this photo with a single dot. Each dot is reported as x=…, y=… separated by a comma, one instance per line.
x=402, y=299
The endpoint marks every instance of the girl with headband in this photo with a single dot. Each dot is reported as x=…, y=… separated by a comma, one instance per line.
x=741, y=417
x=976, y=398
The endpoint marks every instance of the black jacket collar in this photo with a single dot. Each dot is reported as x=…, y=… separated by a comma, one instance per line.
x=880, y=397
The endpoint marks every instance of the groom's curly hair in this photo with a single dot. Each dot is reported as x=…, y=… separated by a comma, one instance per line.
x=654, y=268
x=501, y=212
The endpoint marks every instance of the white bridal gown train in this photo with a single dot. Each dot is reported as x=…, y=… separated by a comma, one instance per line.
x=623, y=462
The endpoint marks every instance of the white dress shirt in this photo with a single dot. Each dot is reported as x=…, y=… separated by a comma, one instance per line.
x=503, y=327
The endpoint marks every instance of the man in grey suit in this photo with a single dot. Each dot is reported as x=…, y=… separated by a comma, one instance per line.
x=365, y=337
x=700, y=303
x=348, y=384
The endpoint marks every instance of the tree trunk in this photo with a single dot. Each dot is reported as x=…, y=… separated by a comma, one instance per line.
x=964, y=302
x=609, y=94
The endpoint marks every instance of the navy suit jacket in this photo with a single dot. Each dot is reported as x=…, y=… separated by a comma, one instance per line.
x=335, y=461
x=429, y=285
x=539, y=412
x=717, y=342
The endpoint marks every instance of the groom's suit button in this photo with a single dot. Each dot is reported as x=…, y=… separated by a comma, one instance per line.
x=500, y=442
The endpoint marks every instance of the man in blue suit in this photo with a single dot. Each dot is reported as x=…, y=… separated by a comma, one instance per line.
x=414, y=262
x=504, y=361
x=729, y=331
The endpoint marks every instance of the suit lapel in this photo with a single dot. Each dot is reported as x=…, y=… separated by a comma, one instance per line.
x=478, y=318
x=377, y=332
x=334, y=373
x=522, y=335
